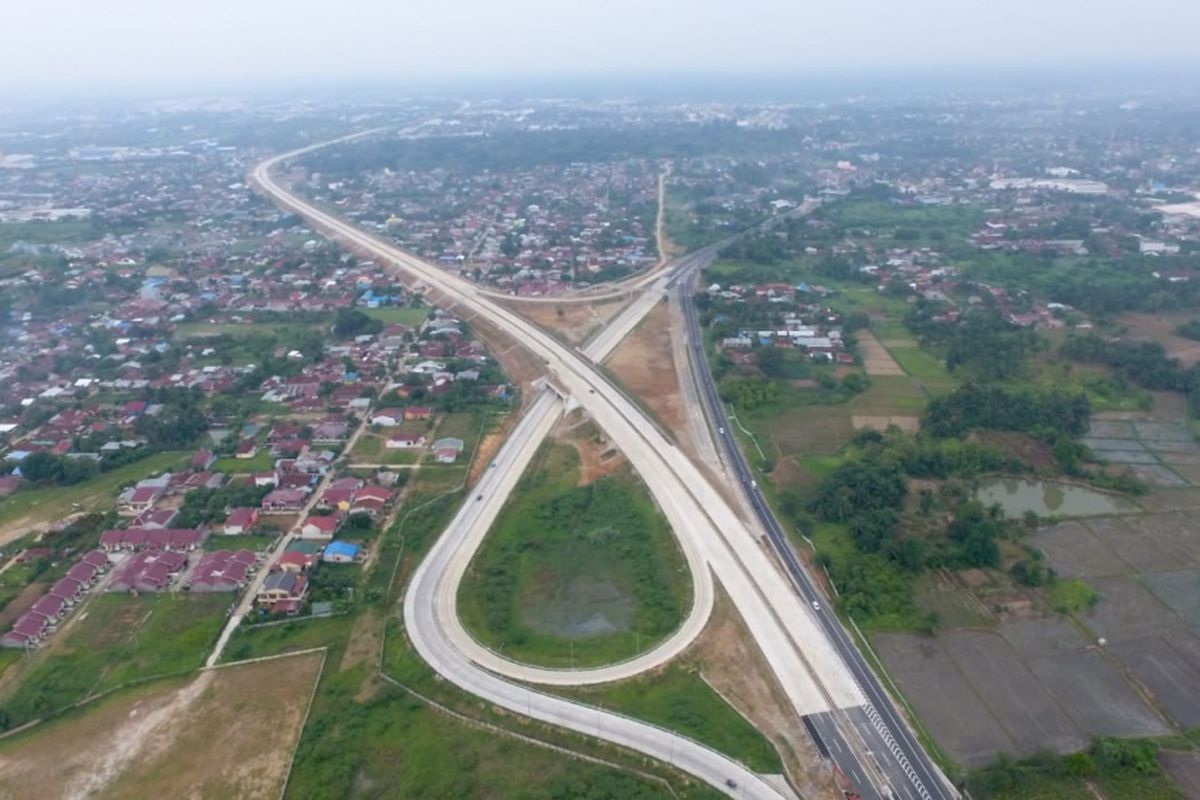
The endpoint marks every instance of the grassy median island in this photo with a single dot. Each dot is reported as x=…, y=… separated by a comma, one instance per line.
x=678, y=699
x=575, y=575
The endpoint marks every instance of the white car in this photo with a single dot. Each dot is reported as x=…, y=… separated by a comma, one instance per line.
x=754, y=484
x=816, y=605
x=721, y=431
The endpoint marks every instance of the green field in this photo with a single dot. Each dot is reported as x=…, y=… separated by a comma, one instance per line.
x=61, y=232
x=926, y=367
x=113, y=640
x=219, y=541
x=891, y=395
x=1118, y=769
x=678, y=698
x=280, y=330
x=575, y=575
x=401, y=315
x=39, y=506
x=1069, y=596
x=261, y=462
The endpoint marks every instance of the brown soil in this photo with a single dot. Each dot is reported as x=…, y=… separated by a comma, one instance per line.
x=1033, y=452
x=645, y=364
x=597, y=456
x=733, y=665
x=574, y=322
x=876, y=359
x=489, y=445
x=223, y=733
x=1161, y=328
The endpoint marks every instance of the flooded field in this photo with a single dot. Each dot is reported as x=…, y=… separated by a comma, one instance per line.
x=1050, y=499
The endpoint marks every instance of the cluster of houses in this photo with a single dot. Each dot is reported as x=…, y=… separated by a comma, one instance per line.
x=39, y=622
x=783, y=322
x=530, y=231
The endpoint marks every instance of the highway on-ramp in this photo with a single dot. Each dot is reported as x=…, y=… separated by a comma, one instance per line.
x=804, y=659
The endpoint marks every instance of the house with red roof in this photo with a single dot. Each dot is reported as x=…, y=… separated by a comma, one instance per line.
x=223, y=571
x=371, y=500
x=315, y=527
x=28, y=631
x=138, y=500
x=240, y=521
x=404, y=441
x=283, y=501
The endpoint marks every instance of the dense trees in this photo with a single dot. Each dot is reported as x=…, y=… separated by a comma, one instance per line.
x=747, y=394
x=983, y=342
x=972, y=407
x=350, y=322
x=1143, y=363
x=47, y=469
x=859, y=487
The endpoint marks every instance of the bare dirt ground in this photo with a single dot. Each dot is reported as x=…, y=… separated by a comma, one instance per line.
x=1161, y=328
x=597, y=455
x=876, y=359
x=732, y=664
x=574, y=322
x=645, y=364
x=224, y=733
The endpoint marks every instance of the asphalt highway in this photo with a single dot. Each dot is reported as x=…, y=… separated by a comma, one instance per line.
x=897, y=746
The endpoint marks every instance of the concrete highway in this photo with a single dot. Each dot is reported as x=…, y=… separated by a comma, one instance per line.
x=425, y=624
x=794, y=640
x=912, y=773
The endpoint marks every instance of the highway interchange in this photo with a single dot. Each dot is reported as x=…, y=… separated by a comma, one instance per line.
x=814, y=660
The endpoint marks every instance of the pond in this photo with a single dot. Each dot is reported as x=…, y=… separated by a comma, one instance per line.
x=585, y=606
x=1049, y=499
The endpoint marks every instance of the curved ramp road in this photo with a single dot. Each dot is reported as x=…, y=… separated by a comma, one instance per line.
x=792, y=638
x=425, y=624
x=466, y=532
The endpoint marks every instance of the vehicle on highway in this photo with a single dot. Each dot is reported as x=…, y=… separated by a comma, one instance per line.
x=816, y=605
x=478, y=497
x=721, y=431
x=754, y=483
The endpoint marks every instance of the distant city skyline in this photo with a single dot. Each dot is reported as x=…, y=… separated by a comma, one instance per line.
x=124, y=44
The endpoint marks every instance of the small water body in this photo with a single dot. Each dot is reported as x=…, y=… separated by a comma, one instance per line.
x=584, y=607
x=1049, y=498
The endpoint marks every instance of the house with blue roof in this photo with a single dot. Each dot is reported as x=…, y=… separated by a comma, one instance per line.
x=339, y=552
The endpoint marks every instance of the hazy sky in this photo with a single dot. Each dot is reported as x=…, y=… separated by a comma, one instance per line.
x=251, y=43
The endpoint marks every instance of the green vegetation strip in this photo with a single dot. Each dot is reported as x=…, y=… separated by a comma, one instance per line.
x=679, y=699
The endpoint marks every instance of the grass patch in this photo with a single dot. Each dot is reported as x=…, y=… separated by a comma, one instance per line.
x=1120, y=770
x=116, y=639
x=570, y=574
x=398, y=315
x=230, y=465
x=922, y=365
x=369, y=447
x=890, y=395
x=256, y=542
x=1070, y=596
x=45, y=505
x=280, y=330
x=679, y=699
